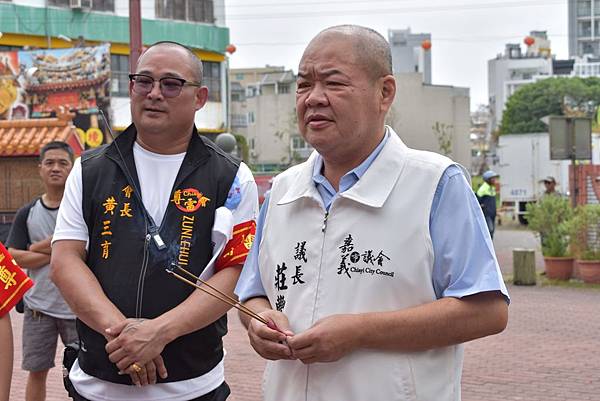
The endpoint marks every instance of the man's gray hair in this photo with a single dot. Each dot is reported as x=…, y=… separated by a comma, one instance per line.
x=372, y=50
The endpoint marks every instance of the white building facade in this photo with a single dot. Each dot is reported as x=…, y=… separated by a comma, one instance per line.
x=513, y=69
x=408, y=53
x=432, y=117
x=263, y=110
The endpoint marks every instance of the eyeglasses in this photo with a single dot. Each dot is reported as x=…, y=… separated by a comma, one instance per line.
x=169, y=86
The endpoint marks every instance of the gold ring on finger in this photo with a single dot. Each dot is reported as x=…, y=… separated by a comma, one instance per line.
x=137, y=368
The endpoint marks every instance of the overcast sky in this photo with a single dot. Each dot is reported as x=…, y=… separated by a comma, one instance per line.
x=465, y=33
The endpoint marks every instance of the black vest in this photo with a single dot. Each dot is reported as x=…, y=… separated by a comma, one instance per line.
x=129, y=266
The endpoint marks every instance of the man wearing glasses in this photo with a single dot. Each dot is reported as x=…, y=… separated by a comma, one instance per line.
x=130, y=209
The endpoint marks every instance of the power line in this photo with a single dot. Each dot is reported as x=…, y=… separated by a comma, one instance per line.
x=313, y=3
x=434, y=39
x=370, y=3
x=370, y=11
x=324, y=3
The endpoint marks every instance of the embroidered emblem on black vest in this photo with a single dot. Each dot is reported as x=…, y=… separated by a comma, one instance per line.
x=189, y=200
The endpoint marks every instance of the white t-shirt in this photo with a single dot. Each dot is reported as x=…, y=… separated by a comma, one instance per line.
x=154, y=172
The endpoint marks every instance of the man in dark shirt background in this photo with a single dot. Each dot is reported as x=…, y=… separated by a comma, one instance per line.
x=47, y=315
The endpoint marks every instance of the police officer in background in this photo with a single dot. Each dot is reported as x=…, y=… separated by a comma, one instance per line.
x=486, y=194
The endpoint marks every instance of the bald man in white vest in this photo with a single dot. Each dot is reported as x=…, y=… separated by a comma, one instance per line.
x=373, y=260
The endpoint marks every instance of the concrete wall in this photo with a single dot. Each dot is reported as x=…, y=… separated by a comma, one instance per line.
x=418, y=107
x=274, y=124
x=265, y=117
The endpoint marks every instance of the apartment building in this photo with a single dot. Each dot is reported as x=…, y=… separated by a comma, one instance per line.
x=263, y=110
x=515, y=68
x=584, y=28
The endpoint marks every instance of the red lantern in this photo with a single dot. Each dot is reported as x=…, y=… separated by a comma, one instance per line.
x=529, y=40
x=426, y=44
x=230, y=48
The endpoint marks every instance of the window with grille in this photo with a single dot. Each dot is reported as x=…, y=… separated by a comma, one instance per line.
x=119, y=66
x=239, y=120
x=588, y=48
x=300, y=148
x=5, y=48
x=186, y=10
x=299, y=143
x=96, y=5
x=212, y=80
x=283, y=88
x=238, y=95
x=584, y=8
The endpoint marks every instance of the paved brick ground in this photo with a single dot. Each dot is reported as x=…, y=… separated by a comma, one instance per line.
x=549, y=352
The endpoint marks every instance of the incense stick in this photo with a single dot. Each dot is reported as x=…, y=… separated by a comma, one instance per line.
x=222, y=297
x=233, y=300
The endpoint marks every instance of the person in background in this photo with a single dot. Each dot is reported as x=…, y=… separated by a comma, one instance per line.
x=46, y=316
x=550, y=187
x=486, y=194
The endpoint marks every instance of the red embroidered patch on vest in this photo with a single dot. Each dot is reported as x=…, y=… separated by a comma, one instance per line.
x=189, y=200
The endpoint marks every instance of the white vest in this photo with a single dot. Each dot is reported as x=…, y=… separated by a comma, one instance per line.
x=371, y=252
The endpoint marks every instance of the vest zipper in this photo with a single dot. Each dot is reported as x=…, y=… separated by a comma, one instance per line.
x=312, y=320
x=140, y=289
x=324, y=227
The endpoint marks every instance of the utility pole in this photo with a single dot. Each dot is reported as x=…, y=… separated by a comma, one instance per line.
x=135, y=33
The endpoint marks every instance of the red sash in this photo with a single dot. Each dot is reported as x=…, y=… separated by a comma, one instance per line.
x=13, y=281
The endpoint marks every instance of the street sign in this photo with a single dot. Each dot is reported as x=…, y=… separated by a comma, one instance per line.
x=570, y=138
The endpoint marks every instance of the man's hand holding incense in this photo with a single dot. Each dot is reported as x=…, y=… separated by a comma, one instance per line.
x=328, y=339
x=137, y=344
x=268, y=342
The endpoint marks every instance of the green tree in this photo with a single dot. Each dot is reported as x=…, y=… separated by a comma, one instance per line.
x=552, y=96
x=443, y=133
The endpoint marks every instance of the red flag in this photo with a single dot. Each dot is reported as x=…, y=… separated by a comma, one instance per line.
x=13, y=281
x=238, y=247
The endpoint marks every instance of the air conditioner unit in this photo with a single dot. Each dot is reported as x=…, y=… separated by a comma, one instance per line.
x=80, y=4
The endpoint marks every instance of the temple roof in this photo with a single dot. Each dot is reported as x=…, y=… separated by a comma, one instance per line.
x=26, y=137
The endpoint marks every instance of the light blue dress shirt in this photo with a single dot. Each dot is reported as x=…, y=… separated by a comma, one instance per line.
x=464, y=259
